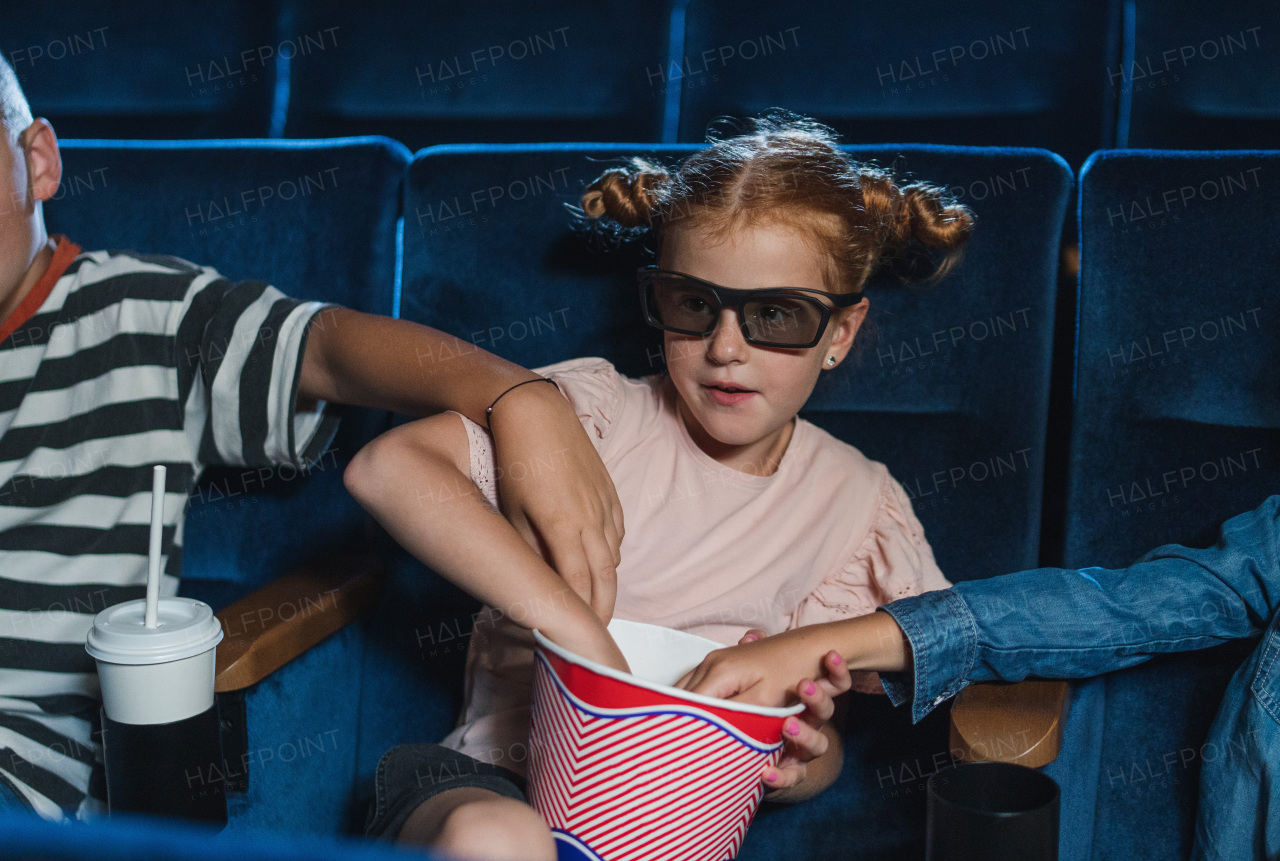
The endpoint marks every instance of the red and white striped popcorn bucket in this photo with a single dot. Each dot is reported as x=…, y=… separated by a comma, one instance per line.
x=627, y=768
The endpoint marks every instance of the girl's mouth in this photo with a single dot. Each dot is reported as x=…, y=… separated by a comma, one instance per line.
x=727, y=394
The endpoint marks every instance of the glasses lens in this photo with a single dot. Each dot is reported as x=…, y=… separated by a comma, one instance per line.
x=782, y=320
x=683, y=305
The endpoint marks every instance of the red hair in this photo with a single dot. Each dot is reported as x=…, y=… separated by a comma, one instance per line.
x=788, y=171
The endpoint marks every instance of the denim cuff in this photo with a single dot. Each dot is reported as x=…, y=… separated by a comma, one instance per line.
x=944, y=645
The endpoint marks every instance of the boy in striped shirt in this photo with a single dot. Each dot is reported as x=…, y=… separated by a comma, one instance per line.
x=113, y=362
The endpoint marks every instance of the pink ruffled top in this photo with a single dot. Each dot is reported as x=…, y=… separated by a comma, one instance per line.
x=708, y=549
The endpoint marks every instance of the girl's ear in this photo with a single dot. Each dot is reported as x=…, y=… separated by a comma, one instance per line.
x=44, y=162
x=846, y=323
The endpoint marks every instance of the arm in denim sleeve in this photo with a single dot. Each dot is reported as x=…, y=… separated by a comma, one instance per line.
x=1061, y=623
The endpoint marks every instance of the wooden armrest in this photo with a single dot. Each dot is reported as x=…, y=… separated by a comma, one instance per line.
x=267, y=629
x=1069, y=262
x=1017, y=722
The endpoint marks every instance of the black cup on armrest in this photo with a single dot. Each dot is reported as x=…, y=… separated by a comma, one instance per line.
x=992, y=811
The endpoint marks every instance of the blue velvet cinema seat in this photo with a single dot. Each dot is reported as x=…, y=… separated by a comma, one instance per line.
x=319, y=220
x=147, y=69
x=1198, y=75
x=1177, y=427
x=991, y=74
x=428, y=73
x=134, y=838
x=948, y=387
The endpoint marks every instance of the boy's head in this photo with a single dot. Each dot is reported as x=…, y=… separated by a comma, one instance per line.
x=15, y=113
x=30, y=170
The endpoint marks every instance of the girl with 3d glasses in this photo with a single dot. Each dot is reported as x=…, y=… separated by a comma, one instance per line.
x=740, y=515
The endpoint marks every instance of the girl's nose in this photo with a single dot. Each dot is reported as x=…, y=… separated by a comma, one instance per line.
x=725, y=344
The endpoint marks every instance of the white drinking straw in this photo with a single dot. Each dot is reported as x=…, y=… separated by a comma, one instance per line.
x=153, y=555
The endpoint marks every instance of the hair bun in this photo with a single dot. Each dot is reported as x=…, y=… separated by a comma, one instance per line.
x=932, y=220
x=627, y=195
x=919, y=212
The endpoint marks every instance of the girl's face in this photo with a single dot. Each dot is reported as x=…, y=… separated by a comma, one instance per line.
x=749, y=427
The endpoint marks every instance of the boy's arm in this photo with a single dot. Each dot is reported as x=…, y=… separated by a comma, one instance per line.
x=415, y=481
x=373, y=361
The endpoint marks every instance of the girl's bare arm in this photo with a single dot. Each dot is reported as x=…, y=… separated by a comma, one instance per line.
x=415, y=481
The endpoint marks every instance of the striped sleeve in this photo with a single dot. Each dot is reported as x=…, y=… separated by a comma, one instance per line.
x=239, y=353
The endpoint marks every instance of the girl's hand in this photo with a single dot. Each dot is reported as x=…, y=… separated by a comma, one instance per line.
x=554, y=487
x=585, y=635
x=807, y=736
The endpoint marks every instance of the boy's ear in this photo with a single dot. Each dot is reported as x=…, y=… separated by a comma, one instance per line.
x=44, y=162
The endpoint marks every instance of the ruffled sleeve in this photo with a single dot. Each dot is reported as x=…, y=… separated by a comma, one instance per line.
x=893, y=561
x=595, y=388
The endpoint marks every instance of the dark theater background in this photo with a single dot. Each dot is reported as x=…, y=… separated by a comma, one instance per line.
x=1096, y=379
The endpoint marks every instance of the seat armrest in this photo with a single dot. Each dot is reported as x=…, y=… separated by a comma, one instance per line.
x=270, y=627
x=1019, y=722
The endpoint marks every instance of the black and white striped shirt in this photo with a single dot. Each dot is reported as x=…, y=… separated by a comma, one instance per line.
x=130, y=361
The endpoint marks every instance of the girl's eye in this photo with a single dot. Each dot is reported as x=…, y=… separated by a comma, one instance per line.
x=779, y=315
x=691, y=303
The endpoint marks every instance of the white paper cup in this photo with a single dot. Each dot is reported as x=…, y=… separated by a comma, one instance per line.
x=155, y=675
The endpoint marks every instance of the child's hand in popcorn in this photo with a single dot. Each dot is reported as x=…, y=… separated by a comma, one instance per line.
x=586, y=635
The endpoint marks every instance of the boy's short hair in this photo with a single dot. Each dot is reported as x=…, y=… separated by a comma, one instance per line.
x=15, y=112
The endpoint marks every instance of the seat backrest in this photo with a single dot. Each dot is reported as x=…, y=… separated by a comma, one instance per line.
x=1004, y=74
x=429, y=73
x=1176, y=428
x=156, y=838
x=1177, y=413
x=948, y=387
x=1199, y=76
x=318, y=220
x=148, y=68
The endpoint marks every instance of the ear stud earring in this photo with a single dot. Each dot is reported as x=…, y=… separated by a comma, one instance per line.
x=831, y=360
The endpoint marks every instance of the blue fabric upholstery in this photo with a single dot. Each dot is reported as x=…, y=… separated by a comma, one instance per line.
x=489, y=255
x=1175, y=366
x=1076, y=769
x=1007, y=74
x=319, y=220
x=429, y=73
x=1198, y=76
x=146, y=69
x=316, y=219
x=1176, y=426
x=130, y=838
x=302, y=725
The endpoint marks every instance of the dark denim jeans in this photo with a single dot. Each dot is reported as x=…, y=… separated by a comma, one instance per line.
x=1058, y=623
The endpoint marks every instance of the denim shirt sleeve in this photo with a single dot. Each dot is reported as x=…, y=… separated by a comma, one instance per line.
x=1062, y=623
